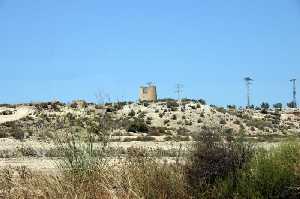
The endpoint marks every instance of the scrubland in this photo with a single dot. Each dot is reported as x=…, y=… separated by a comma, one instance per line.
x=148, y=150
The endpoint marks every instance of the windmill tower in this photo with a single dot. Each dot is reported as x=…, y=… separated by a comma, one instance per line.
x=248, y=81
x=294, y=93
x=148, y=93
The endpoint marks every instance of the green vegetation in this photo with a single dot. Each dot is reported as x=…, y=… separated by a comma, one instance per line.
x=138, y=126
x=278, y=106
x=131, y=113
x=259, y=123
x=265, y=105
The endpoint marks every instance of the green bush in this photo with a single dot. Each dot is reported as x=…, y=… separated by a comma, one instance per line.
x=166, y=122
x=131, y=113
x=202, y=101
x=174, y=117
x=3, y=134
x=278, y=106
x=213, y=161
x=259, y=123
x=18, y=134
x=173, y=105
x=138, y=125
x=272, y=173
x=265, y=105
x=221, y=110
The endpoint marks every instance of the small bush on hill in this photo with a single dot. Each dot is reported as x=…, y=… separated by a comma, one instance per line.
x=138, y=125
x=18, y=134
x=202, y=101
x=173, y=105
x=131, y=113
x=174, y=117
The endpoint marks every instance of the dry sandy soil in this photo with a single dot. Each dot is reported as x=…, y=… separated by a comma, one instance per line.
x=18, y=113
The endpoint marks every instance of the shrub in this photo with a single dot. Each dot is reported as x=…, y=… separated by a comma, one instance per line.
x=146, y=104
x=73, y=105
x=3, y=134
x=221, y=110
x=131, y=113
x=6, y=112
x=272, y=173
x=292, y=105
x=278, y=106
x=166, y=122
x=231, y=106
x=27, y=152
x=222, y=121
x=18, y=134
x=174, y=117
x=173, y=105
x=138, y=125
x=259, y=123
x=265, y=105
x=202, y=101
x=213, y=160
x=142, y=115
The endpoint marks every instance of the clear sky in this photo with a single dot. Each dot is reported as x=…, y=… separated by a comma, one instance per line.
x=71, y=49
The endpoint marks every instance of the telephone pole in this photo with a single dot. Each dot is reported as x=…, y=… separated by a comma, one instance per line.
x=248, y=81
x=294, y=93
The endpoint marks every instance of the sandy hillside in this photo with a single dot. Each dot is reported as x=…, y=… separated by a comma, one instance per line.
x=17, y=114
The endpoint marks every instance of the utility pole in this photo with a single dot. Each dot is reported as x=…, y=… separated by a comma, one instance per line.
x=179, y=91
x=294, y=93
x=248, y=81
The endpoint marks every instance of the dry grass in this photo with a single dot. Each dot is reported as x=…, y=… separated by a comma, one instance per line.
x=137, y=177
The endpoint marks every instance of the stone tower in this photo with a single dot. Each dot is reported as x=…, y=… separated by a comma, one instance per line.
x=148, y=93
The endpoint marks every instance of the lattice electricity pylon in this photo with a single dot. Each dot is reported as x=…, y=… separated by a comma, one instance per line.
x=248, y=83
x=179, y=91
x=294, y=93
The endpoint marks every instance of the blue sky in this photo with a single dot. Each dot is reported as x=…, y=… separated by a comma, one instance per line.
x=66, y=49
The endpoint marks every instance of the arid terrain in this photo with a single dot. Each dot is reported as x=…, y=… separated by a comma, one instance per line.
x=31, y=134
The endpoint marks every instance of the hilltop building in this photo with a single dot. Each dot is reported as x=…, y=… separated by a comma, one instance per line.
x=148, y=93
